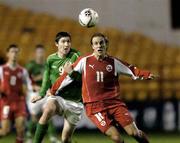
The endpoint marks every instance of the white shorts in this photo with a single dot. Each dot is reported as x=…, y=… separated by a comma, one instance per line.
x=72, y=111
x=35, y=108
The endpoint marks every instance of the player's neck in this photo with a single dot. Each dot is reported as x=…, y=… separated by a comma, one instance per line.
x=12, y=64
x=39, y=60
x=61, y=55
x=100, y=57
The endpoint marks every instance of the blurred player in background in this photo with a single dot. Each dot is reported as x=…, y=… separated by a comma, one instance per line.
x=71, y=111
x=36, y=69
x=101, y=91
x=14, y=81
x=2, y=61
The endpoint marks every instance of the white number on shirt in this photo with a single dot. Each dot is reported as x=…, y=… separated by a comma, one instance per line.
x=13, y=80
x=61, y=70
x=99, y=76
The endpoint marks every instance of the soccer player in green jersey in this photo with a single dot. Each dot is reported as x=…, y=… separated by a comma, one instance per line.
x=36, y=69
x=68, y=103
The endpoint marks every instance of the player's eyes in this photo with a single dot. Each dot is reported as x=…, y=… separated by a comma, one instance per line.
x=96, y=43
x=68, y=41
x=102, y=43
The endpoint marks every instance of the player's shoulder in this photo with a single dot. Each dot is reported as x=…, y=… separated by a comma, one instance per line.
x=4, y=66
x=51, y=56
x=21, y=67
x=30, y=63
x=115, y=58
x=1, y=66
x=85, y=56
x=118, y=60
x=74, y=52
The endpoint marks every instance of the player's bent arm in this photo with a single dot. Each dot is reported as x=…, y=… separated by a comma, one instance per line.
x=27, y=81
x=74, y=71
x=130, y=70
x=46, y=82
x=63, y=81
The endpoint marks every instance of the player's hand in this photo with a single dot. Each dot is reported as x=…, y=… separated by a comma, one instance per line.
x=36, y=98
x=48, y=93
x=153, y=76
x=68, y=67
x=150, y=77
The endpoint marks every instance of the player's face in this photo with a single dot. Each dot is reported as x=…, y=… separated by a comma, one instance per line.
x=99, y=46
x=13, y=54
x=64, y=45
x=40, y=53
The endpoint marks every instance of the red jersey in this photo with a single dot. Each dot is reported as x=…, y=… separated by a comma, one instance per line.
x=11, y=82
x=100, y=78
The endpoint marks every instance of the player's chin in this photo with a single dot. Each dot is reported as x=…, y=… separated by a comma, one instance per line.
x=66, y=51
x=100, y=53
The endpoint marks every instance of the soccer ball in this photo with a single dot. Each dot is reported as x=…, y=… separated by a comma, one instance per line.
x=88, y=17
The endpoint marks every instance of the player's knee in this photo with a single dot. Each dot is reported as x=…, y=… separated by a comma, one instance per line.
x=115, y=138
x=66, y=137
x=133, y=133
x=5, y=131
x=20, y=129
x=66, y=140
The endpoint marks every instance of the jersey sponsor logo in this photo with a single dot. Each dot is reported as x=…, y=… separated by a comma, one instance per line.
x=92, y=66
x=109, y=68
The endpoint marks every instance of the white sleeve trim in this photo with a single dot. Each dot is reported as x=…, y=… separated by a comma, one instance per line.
x=120, y=68
x=27, y=80
x=1, y=73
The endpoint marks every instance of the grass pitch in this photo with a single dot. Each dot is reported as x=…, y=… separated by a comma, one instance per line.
x=97, y=137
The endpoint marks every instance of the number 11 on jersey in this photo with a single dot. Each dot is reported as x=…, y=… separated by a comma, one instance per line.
x=99, y=76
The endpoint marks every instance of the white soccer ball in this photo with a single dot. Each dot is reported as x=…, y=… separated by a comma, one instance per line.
x=88, y=17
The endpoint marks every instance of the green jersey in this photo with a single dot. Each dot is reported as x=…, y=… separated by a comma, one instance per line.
x=55, y=68
x=35, y=69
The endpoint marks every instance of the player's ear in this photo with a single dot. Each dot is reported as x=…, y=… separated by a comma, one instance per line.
x=92, y=46
x=56, y=44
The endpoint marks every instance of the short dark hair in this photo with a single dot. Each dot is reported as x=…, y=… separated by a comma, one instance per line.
x=39, y=46
x=99, y=35
x=59, y=35
x=11, y=46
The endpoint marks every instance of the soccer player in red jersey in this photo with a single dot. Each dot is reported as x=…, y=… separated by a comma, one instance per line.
x=101, y=90
x=13, y=77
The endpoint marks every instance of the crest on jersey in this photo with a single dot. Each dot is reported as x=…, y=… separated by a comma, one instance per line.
x=109, y=68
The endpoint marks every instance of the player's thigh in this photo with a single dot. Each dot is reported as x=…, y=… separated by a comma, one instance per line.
x=36, y=108
x=102, y=120
x=55, y=104
x=68, y=128
x=20, y=122
x=20, y=110
x=73, y=111
x=121, y=115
